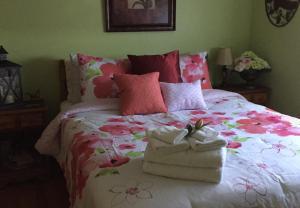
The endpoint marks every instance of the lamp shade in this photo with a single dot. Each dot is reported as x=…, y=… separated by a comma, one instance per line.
x=224, y=57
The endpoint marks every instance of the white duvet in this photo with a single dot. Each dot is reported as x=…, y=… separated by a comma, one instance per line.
x=101, y=154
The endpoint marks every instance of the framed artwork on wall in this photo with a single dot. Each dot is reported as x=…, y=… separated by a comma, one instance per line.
x=140, y=15
x=281, y=12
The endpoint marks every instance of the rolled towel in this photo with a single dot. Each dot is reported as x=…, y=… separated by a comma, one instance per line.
x=200, y=144
x=197, y=174
x=164, y=148
x=168, y=134
x=188, y=158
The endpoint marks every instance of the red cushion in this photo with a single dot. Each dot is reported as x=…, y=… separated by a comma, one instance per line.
x=140, y=94
x=167, y=65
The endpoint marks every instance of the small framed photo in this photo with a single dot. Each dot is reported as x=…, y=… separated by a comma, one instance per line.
x=140, y=15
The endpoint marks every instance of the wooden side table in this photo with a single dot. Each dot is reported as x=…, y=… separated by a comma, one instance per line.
x=260, y=95
x=22, y=118
x=20, y=127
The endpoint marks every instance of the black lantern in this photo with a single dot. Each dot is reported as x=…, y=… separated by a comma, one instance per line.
x=10, y=81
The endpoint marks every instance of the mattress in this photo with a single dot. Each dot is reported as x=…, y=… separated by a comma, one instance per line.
x=101, y=154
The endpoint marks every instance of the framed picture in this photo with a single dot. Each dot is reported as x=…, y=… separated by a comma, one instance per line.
x=140, y=15
x=281, y=12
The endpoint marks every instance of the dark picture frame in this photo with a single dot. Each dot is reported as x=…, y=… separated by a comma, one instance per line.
x=140, y=15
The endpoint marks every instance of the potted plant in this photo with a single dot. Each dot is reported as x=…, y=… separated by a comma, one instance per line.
x=250, y=66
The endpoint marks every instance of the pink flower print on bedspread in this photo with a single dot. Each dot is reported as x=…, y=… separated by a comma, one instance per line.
x=251, y=126
x=228, y=133
x=130, y=194
x=116, y=120
x=265, y=118
x=219, y=113
x=251, y=191
x=198, y=112
x=280, y=148
x=285, y=129
x=122, y=120
x=89, y=152
x=262, y=167
x=261, y=123
x=121, y=130
x=177, y=124
x=137, y=129
x=127, y=146
x=211, y=120
x=234, y=145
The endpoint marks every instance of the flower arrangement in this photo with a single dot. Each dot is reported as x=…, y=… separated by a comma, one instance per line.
x=249, y=60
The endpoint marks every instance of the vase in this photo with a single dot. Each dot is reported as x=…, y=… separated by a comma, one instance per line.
x=250, y=76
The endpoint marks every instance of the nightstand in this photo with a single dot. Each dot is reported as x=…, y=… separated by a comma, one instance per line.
x=260, y=95
x=20, y=127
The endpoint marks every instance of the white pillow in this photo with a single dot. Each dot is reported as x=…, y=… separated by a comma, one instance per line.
x=183, y=96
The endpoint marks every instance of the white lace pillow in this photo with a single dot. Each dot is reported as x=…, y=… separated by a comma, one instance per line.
x=183, y=96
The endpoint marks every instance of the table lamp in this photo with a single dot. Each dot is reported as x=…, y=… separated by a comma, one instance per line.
x=224, y=59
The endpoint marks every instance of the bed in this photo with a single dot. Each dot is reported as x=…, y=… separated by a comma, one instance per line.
x=101, y=154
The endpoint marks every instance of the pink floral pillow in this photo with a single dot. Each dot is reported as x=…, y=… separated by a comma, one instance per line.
x=96, y=76
x=195, y=67
x=183, y=96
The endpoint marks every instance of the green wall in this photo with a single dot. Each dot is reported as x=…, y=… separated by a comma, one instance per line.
x=281, y=47
x=39, y=33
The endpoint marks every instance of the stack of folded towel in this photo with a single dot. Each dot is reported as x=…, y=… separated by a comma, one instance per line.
x=171, y=153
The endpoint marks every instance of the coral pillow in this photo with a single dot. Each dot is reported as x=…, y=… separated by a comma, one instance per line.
x=167, y=65
x=140, y=94
x=96, y=76
x=183, y=96
x=195, y=67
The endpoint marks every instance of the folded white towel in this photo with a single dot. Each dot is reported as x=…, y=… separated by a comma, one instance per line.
x=164, y=148
x=187, y=173
x=201, y=144
x=169, y=139
x=207, y=131
x=168, y=134
x=188, y=158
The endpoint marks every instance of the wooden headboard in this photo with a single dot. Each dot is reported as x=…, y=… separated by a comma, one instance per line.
x=63, y=80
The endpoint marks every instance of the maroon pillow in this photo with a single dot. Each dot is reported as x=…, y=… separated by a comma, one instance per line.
x=167, y=65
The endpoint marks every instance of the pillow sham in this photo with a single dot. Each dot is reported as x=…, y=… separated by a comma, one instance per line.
x=96, y=76
x=194, y=67
x=140, y=94
x=167, y=65
x=72, y=81
x=183, y=96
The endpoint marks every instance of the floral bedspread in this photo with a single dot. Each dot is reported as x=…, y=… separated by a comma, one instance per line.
x=101, y=154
